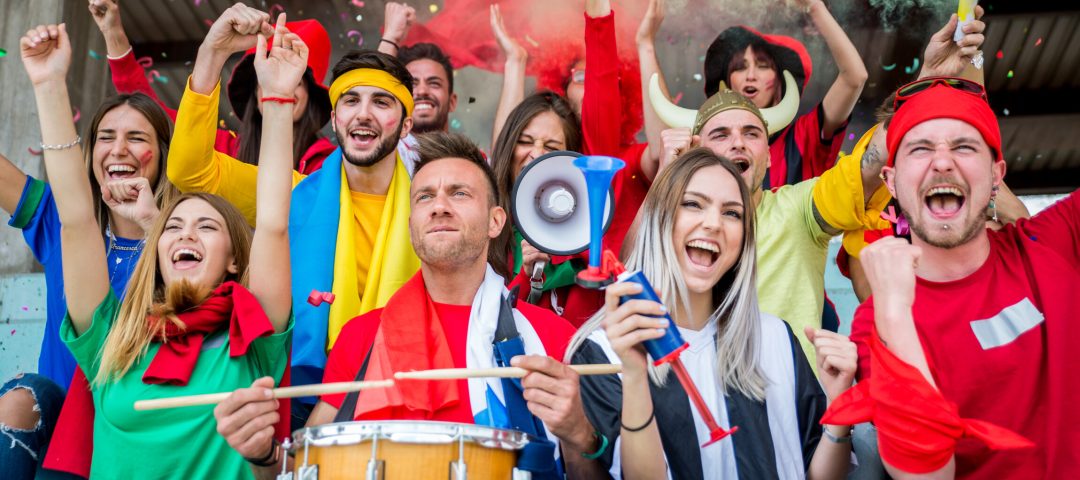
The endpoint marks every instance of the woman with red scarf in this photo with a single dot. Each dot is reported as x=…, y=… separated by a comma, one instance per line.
x=190, y=321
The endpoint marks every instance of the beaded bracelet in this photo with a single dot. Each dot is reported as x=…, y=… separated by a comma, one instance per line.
x=65, y=146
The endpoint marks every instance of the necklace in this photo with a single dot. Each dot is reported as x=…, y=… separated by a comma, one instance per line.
x=130, y=258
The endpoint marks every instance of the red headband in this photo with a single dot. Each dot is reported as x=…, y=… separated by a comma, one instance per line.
x=941, y=101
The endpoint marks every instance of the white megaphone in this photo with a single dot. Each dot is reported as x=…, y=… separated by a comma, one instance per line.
x=550, y=205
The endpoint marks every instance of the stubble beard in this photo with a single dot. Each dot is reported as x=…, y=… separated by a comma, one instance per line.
x=386, y=146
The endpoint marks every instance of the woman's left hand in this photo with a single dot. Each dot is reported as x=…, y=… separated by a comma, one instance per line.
x=133, y=199
x=282, y=69
x=837, y=360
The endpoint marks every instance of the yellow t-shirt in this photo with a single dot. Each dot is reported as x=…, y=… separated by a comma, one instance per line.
x=367, y=212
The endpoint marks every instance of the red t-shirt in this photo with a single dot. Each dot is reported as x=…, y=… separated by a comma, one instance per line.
x=356, y=338
x=802, y=151
x=1000, y=344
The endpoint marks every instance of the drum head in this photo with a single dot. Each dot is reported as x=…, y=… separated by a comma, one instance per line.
x=408, y=431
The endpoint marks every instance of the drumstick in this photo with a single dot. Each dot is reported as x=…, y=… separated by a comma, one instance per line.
x=283, y=392
x=502, y=372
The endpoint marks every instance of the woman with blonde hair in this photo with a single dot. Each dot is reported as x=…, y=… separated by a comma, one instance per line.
x=190, y=321
x=695, y=244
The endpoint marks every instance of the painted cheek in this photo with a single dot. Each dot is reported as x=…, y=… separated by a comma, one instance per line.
x=146, y=157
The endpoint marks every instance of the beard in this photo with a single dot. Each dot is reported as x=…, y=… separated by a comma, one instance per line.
x=437, y=124
x=938, y=237
x=449, y=255
x=386, y=146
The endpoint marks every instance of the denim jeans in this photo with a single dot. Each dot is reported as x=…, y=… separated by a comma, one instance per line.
x=23, y=451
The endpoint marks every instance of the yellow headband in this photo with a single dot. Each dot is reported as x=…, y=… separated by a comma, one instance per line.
x=370, y=77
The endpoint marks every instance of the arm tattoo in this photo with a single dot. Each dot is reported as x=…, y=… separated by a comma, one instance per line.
x=872, y=161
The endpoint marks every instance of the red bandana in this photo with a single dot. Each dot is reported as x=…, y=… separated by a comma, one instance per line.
x=941, y=101
x=917, y=427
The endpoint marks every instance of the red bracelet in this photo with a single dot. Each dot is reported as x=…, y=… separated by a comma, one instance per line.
x=277, y=99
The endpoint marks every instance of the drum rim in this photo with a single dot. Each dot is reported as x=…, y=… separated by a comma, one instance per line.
x=357, y=432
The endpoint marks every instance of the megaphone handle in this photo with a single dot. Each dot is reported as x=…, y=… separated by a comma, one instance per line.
x=536, y=283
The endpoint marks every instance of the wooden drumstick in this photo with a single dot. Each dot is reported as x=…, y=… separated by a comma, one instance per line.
x=502, y=372
x=283, y=392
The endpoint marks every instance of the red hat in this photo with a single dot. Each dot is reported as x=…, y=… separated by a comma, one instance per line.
x=243, y=78
x=941, y=101
x=788, y=53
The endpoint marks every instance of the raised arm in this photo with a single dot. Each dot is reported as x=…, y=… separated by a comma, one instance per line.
x=46, y=54
x=844, y=92
x=649, y=65
x=12, y=182
x=234, y=31
x=398, y=18
x=513, y=85
x=945, y=58
x=279, y=71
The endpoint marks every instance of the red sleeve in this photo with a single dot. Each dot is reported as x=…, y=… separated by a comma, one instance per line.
x=348, y=353
x=601, y=112
x=314, y=156
x=554, y=331
x=1057, y=227
x=819, y=149
x=861, y=325
x=130, y=77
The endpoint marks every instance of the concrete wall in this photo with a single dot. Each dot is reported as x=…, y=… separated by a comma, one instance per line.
x=19, y=129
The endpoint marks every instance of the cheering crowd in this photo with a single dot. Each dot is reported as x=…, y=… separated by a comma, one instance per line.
x=185, y=259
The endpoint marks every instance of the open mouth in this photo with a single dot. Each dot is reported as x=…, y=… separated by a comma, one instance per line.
x=750, y=92
x=363, y=137
x=423, y=106
x=944, y=202
x=118, y=171
x=186, y=258
x=702, y=253
x=741, y=163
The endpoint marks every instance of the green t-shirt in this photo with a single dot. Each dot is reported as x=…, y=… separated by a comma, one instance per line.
x=791, y=251
x=175, y=443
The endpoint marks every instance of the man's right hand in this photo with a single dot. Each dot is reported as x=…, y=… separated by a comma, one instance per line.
x=236, y=29
x=247, y=417
x=890, y=265
x=398, y=18
x=676, y=141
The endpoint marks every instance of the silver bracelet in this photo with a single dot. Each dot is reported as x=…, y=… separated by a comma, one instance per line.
x=833, y=438
x=65, y=146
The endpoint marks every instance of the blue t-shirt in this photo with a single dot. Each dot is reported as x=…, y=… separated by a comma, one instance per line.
x=36, y=215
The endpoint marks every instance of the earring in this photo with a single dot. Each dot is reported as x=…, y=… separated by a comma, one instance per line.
x=993, y=204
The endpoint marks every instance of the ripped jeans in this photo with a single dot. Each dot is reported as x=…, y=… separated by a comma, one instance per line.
x=22, y=451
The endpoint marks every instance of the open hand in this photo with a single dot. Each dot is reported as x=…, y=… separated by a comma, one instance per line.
x=837, y=360
x=282, y=68
x=510, y=47
x=398, y=19
x=236, y=29
x=106, y=14
x=46, y=53
x=131, y=198
x=944, y=57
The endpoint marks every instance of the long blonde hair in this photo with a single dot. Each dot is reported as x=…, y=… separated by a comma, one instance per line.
x=147, y=294
x=738, y=332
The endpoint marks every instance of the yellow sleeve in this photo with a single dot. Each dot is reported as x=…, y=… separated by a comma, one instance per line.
x=838, y=196
x=194, y=165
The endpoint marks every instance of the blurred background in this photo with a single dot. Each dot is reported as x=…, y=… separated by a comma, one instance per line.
x=1032, y=65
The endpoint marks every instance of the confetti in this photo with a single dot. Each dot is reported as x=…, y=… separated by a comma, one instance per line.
x=678, y=97
x=156, y=76
x=697, y=77
x=359, y=18
x=434, y=8
x=1000, y=55
x=889, y=68
x=145, y=62
x=13, y=331
x=221, y=124
x=1038, y=42
x=94, y=55
x=197, y=2
x=358, y=3
x=276, y=8
x=472, y=99
x=851, y=136
x=164, y=55
x=78, y=115
x=36, y=153
x=208, y=22
x=529, y=39
x=913, y=68
x=358, y=35
x=1009, y=75
x=455, y=124
x=318, y=298
x=1006, y=112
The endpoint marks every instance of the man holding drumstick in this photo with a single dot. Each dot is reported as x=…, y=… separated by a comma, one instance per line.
x=447, y=316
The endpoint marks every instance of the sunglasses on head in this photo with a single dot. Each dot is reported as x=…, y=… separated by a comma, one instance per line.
x=912, y=89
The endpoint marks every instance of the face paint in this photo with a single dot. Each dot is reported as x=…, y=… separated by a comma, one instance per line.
x=146, y=157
